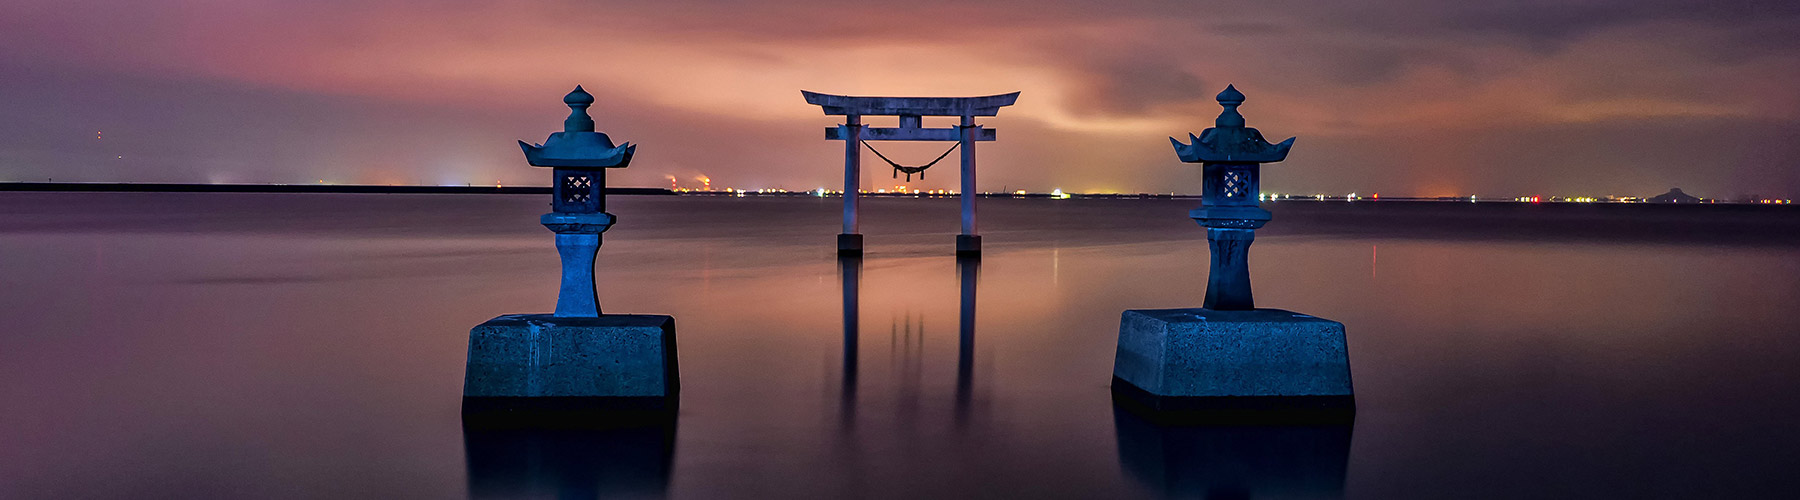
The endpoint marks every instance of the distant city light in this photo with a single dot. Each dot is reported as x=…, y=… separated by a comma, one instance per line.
x=1061, y=194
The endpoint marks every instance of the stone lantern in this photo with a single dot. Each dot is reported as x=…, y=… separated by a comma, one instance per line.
x=576, y=359
x=1230, y=157
x=580, y=157
x=1228, y=354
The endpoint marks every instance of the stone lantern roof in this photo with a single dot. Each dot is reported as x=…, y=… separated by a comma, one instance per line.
x=578, y=146
x=1230, y=141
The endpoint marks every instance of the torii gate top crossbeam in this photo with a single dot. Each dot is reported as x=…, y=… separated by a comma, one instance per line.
x=913, y=106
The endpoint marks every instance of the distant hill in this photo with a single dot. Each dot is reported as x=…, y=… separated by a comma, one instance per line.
x=1673, y=196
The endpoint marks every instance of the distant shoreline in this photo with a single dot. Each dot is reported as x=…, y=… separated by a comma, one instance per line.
x=153, y=187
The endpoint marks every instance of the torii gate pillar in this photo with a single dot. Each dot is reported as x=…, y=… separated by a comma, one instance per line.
x=850, y=241
x=968, y=242
x=910, y=110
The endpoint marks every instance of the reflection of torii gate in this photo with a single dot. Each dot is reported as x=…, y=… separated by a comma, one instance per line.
x=968, y=271
x=909, y=109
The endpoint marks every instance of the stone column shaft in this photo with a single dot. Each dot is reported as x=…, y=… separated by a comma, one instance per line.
x=578, y=242
x=968, y=175
x=852, y=170
x=1228, y=281
x=578, y=298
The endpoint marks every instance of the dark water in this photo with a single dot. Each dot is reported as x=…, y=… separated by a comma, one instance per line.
x=312, y=346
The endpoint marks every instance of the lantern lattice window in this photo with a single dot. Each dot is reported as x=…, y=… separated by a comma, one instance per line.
x=577, y=188
x=1237, y=184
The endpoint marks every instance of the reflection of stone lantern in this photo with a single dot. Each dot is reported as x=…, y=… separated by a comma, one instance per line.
x=1228, y=354
x=1231, y=156
x=576, y=359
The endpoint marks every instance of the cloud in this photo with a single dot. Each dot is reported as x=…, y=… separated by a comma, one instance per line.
x=711, y=86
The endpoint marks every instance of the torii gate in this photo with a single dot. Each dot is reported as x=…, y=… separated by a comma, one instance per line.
x=909, y=109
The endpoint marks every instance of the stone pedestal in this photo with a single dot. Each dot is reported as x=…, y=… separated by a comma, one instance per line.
x=540, y=362
x=850, y=244
x=1202, y=359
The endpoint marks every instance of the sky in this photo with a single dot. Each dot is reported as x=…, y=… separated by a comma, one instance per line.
x=1400, y=97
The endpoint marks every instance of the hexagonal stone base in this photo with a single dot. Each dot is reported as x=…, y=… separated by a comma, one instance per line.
x=1179, y=359
x=540, y=362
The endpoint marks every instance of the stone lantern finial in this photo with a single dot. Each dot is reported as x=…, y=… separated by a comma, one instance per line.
x=1230, y=98
x=578, y=101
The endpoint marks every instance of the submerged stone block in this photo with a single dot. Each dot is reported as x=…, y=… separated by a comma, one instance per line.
x=968, y=244
x=1248, y=459
x=545, y=362
x=850, y=244
x=1200, y=358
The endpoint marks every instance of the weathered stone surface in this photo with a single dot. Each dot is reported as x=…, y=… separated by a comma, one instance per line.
x=544, y=356
x=1203, y=353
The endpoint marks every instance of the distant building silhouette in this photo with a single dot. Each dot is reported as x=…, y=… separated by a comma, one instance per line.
x=1673, y=196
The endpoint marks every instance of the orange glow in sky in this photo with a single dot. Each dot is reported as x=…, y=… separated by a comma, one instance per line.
x=1410, y=98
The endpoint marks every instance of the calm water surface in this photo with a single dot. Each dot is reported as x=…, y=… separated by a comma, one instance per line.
x=312, y=346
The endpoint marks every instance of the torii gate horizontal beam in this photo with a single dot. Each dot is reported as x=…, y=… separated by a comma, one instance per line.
x=838, y=133
x=919, y=106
